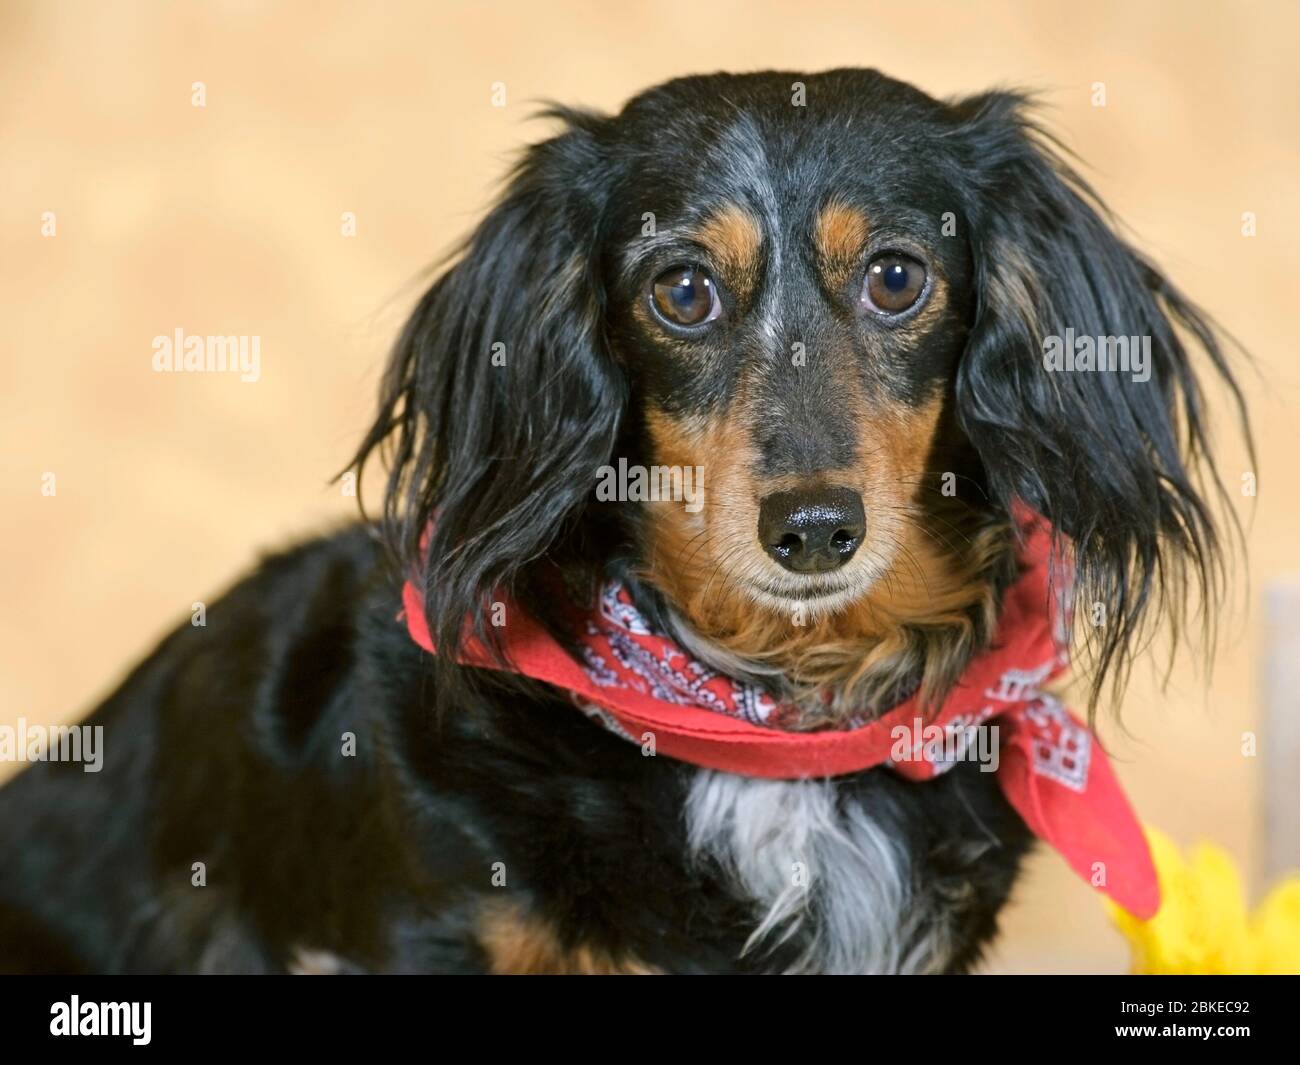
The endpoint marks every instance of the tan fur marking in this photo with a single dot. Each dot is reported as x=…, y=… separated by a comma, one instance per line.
x=840, y=234
x=920, y=612
x=518, y=943
x=734, y=239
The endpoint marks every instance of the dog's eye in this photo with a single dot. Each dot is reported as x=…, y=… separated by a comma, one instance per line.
x=686, y=295
x=894, y=283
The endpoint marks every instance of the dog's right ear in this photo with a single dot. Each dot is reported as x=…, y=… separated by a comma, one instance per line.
x=1119, y=462
x=501, y=402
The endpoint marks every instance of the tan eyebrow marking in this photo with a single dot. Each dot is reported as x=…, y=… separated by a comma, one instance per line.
x=840, y=233
x=734, y=238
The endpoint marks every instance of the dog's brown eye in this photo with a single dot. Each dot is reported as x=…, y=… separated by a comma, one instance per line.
x=894, y=283
x=686, y=295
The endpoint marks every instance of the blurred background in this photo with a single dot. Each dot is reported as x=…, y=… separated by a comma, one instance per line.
x=126, y=212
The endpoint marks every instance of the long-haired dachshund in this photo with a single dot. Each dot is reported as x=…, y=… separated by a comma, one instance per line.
x=746, y=403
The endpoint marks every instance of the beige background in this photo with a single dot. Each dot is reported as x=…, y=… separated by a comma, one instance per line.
x=226, y=219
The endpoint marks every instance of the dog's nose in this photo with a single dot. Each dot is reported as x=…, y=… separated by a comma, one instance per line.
x=812, y=531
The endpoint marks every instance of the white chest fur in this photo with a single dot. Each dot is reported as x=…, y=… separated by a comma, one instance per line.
x=822, y=870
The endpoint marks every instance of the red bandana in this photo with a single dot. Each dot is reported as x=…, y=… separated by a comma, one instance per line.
x=635, y=682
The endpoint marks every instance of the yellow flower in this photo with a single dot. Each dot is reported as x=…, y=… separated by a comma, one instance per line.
x=1275, y=931
x=1202, y=925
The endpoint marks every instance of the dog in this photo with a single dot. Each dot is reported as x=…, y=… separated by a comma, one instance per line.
x=826, y=306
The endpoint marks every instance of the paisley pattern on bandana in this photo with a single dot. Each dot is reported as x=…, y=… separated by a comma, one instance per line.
x=643, y=687
x=656, y=666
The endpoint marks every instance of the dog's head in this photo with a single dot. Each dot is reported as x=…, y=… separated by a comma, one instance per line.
x=817, y=314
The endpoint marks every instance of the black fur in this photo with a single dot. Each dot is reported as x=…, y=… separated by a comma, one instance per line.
x=223, y=747
x=1115, y=464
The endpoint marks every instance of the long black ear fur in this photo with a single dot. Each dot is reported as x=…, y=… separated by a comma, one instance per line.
x=500, y=402
x=1121, y=467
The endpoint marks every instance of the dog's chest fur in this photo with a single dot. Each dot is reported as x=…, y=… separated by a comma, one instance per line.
x=827, y=871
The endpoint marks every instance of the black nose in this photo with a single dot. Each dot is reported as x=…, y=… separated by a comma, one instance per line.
x=812, y=531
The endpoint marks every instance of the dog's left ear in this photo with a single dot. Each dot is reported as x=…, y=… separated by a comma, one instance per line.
x=500, y=401
x=1116, y=459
